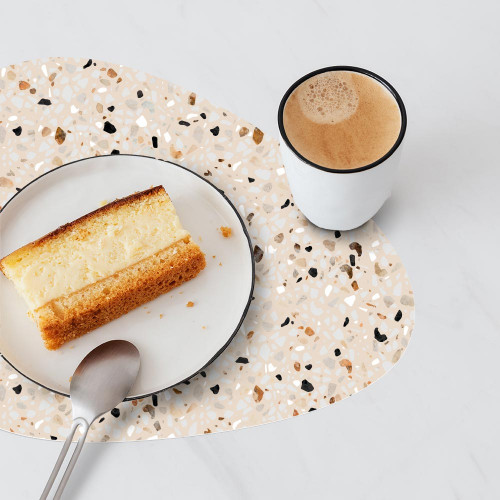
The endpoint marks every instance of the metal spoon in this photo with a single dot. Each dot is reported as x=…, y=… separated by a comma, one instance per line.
x=101, y=381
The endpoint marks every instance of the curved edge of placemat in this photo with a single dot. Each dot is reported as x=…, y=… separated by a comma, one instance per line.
x=220, y=147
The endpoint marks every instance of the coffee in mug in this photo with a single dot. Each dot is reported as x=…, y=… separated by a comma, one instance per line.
x=342, y=119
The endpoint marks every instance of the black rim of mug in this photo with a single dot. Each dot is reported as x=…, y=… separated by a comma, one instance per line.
x=353, y=69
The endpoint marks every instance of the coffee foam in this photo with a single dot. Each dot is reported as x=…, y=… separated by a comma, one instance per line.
x=328, y=98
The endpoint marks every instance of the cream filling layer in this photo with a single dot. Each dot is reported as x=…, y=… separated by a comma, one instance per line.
x=94, y=250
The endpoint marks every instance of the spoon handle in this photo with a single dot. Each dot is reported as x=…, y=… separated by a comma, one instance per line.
x=85, y=427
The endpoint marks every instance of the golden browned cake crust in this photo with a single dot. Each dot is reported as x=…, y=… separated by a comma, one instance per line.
x=66, y=228
x=69, y=317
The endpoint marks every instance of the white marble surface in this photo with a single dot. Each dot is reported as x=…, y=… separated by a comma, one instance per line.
x=430, y=428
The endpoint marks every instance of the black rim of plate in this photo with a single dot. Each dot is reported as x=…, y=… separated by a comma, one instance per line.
x=352, y=69
x=245, y=232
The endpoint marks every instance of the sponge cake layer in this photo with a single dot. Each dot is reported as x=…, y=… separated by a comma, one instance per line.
x=66, y=318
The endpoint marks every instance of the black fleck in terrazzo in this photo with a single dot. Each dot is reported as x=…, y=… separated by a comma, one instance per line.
x=332, y=311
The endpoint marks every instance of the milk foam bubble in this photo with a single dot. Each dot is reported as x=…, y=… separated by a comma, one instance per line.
x=328, y=98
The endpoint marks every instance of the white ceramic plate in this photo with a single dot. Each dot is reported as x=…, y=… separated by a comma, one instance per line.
x=173, y=347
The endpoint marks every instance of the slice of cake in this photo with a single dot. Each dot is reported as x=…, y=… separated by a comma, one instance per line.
x=96, y=268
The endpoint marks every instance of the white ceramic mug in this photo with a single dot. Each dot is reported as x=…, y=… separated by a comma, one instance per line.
x=340, y=199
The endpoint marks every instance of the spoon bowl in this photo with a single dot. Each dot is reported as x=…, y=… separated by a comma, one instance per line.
x=103, y=379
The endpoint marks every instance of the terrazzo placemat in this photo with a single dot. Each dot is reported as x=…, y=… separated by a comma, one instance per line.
x=332, y=312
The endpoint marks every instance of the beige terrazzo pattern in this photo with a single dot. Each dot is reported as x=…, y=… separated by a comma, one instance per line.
x=332, y=312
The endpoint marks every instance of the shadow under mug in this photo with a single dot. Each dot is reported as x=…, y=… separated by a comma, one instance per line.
x=340, y=199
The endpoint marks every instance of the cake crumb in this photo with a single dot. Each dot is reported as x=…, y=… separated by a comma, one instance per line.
x=161, y=316
x=213, y=256
x=204, y=327
x=220, y=264
x=226, y=231
x=190, y=304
